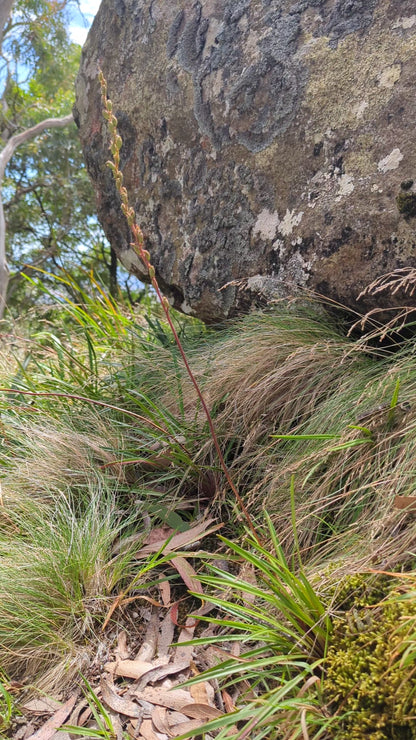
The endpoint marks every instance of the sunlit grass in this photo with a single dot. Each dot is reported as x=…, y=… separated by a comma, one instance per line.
x=284, y=628
x=102, y=431
x=57, y=575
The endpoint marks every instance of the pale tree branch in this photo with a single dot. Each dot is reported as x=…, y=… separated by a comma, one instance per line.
x=5, y=10
x=30, y=133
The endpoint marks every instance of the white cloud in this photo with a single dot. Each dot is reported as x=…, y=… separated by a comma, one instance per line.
x=78, y=34
x=90, y=6
x=82, y=19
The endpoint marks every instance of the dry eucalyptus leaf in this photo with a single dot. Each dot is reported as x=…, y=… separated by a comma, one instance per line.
x=83, y=717
x=176, y=717
x=157, y=673
x=192, y=724
x=180, y=540
x=187, y=573
x=58, y=719
x=148, y=647
x=172, y=699
x=203, y=712
x=160, y=720
x=164, y=588
x=117, y=703
x=185, y=652
x=165, y=636
x=202, y=693
x=117, y=725
x=132, y=728
x=148, y=733
x=228, y=702
x=122, y=651
x=129, y=668
x=248, y=575
x=76, y=713
x=42, y=706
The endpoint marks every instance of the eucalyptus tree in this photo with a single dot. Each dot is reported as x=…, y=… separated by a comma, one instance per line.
x=47, y=209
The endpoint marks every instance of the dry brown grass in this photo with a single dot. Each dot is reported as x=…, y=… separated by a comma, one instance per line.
x=47, y=456
x=290, y=374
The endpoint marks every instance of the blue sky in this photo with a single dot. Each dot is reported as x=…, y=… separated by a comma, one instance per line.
x=81, y=22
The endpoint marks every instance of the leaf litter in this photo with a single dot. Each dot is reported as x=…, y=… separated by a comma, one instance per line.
x=143, y=695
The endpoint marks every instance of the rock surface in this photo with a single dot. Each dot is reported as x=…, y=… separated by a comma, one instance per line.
x=264, y=144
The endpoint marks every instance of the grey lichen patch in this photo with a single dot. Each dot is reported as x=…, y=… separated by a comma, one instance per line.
x=349, y=16
x=247, y=84
x=391, y=161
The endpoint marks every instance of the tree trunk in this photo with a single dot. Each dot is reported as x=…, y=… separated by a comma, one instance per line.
x=5, y=10
x=5, y=155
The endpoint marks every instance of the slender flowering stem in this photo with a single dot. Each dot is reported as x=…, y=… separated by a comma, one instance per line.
x=138, y=246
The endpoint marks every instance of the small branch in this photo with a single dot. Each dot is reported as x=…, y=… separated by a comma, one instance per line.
x=21, y=191
x=29, y=133
x=5, y=10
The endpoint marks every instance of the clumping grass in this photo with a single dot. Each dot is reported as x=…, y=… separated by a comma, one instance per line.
x=319, y=657
x=57, y=575
x=102, y=433
x=285, y=628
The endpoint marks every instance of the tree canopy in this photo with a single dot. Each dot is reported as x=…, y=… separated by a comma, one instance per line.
x=47, y=196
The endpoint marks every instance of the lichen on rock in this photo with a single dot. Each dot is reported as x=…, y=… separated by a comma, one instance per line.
x=230, y=110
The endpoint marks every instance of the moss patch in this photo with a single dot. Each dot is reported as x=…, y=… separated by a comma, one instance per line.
x=406, y=203
x=366, y=681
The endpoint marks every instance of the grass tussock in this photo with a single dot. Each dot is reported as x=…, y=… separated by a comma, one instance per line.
x=57, y=574
x=292, y=396
x=103, y=437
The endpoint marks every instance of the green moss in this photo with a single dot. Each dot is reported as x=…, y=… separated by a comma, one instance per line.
x=358, y=590
x=364, y=679
x=406, y=203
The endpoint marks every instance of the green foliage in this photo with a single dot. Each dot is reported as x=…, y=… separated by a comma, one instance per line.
x=84, y=404
x=35, y=36
x=7, y=703
x=365, y=676
x=279, y=615
x=50, y=213
x=98, y=419
x=48, y=199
